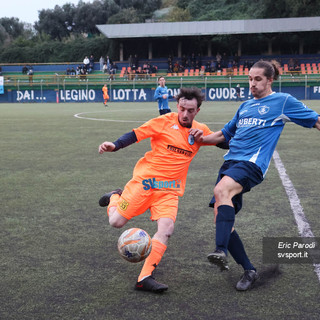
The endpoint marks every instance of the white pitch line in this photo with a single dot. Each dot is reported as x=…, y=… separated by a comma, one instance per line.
x=80, y=116
x=301, y=220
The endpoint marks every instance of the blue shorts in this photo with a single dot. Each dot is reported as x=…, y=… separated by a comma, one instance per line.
x=246, y=173
x=164, y=111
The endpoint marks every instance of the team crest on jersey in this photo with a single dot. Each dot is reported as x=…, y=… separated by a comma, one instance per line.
x=175, y=126
x=263, y=110
x=124, y=205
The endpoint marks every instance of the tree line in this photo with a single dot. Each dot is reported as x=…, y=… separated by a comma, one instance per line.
x=67, y=33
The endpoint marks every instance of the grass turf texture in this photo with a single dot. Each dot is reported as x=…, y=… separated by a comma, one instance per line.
x=58, y=255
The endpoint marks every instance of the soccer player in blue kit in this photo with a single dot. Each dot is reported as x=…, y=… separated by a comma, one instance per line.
x=252, y=134
x=161, y=94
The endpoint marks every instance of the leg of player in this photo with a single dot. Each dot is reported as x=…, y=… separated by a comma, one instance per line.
x=110, y=199
x=224, y=191
x=116, y=220
x=239, y=254
x=146, y=282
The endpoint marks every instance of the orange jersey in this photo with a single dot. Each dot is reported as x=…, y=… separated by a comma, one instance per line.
x=105, y=92
x=168, y=161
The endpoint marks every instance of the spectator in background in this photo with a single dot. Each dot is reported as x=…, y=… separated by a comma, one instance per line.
x=113, y=70
x=213, y=66
x=68, y=72
x=208, y=67
x=108, y=62
x=83, y=73
x=0, y=71
x=86, y=62
x=236, y=59
x=105, y=68
x=78, y=71
x=72, y=72
x=296, y=65
x=218, y=57
x=169, y=61
x=91, y=64
x=184, y=61
x=25, y=70
x=224, y=60
x=291, y=65
x=101, y=62
x=176, y=67
x=30, y=74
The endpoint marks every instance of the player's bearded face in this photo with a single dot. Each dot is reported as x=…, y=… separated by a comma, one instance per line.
x=260, y=85
x=187, y=110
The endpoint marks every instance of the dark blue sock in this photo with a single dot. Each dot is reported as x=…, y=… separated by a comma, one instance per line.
x=238, y=252
x=224, y=224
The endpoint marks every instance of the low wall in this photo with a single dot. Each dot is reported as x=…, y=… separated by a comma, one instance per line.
x=140, y=94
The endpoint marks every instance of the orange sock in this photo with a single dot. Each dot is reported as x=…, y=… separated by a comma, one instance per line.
x=158, y=250
x=113, y=201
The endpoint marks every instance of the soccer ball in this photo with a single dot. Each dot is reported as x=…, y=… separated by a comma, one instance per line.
x=134, y=245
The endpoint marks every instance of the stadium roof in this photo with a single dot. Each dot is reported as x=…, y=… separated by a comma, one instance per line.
x=199, y=28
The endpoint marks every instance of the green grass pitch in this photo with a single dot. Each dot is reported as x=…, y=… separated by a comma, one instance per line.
x=58, y=256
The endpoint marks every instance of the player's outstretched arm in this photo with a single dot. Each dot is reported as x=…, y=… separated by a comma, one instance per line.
x=213, y=138
x=106, y=147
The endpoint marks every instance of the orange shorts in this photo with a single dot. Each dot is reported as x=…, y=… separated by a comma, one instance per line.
x=135, y=201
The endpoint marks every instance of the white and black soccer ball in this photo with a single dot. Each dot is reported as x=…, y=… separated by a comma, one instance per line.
x=134, y=245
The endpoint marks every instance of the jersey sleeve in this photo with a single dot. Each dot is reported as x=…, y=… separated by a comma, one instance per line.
x=230, y=128
x=157, y=94
x=151, y=128
x=299, y=113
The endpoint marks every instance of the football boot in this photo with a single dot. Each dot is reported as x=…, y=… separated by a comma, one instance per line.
x=150, y=284
x=219, y=258
x=105, y=199
x=247, y=280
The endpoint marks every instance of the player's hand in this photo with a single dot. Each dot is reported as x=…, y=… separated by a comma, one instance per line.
x=197, y=134
x=164, y=96
x=106, y=147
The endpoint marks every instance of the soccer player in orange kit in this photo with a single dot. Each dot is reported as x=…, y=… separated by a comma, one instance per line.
x=159, y=177
x=105, y=94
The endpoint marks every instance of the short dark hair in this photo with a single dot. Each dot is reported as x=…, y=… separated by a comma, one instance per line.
x=190, y=93
x=161, y=77
x=271, y=68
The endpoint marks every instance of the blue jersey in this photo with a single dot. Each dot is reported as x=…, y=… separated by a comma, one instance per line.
x=162, y=103
x=256, y=127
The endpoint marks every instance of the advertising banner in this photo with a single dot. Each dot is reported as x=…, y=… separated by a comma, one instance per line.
x=141, y=94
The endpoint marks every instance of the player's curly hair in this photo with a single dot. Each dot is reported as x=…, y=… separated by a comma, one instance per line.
x=190, y=93
x=271, y=68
